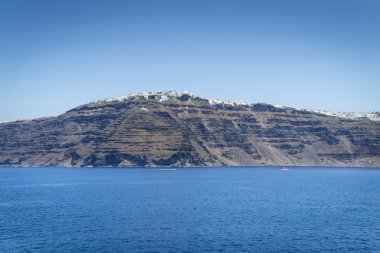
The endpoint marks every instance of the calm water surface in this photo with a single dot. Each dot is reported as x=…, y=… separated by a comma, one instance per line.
x=190, y=210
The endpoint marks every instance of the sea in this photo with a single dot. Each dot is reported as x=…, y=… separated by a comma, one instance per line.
x=260, y=209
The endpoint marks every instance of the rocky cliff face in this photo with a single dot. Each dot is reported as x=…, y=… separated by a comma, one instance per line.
x=181, y=129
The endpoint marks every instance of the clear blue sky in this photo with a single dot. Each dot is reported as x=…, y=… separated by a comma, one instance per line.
x=55, y=55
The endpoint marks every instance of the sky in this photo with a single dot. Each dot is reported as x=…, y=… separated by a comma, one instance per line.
x=56, y=55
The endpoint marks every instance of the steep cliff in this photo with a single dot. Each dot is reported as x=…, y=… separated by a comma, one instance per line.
x=181, y=129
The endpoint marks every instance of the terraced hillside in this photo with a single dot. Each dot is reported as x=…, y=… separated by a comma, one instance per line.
x=181, y=129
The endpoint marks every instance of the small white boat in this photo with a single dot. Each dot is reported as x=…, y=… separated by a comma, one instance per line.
x=284, y=169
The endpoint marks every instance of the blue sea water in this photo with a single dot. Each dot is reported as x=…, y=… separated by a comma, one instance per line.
x=190, y=210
